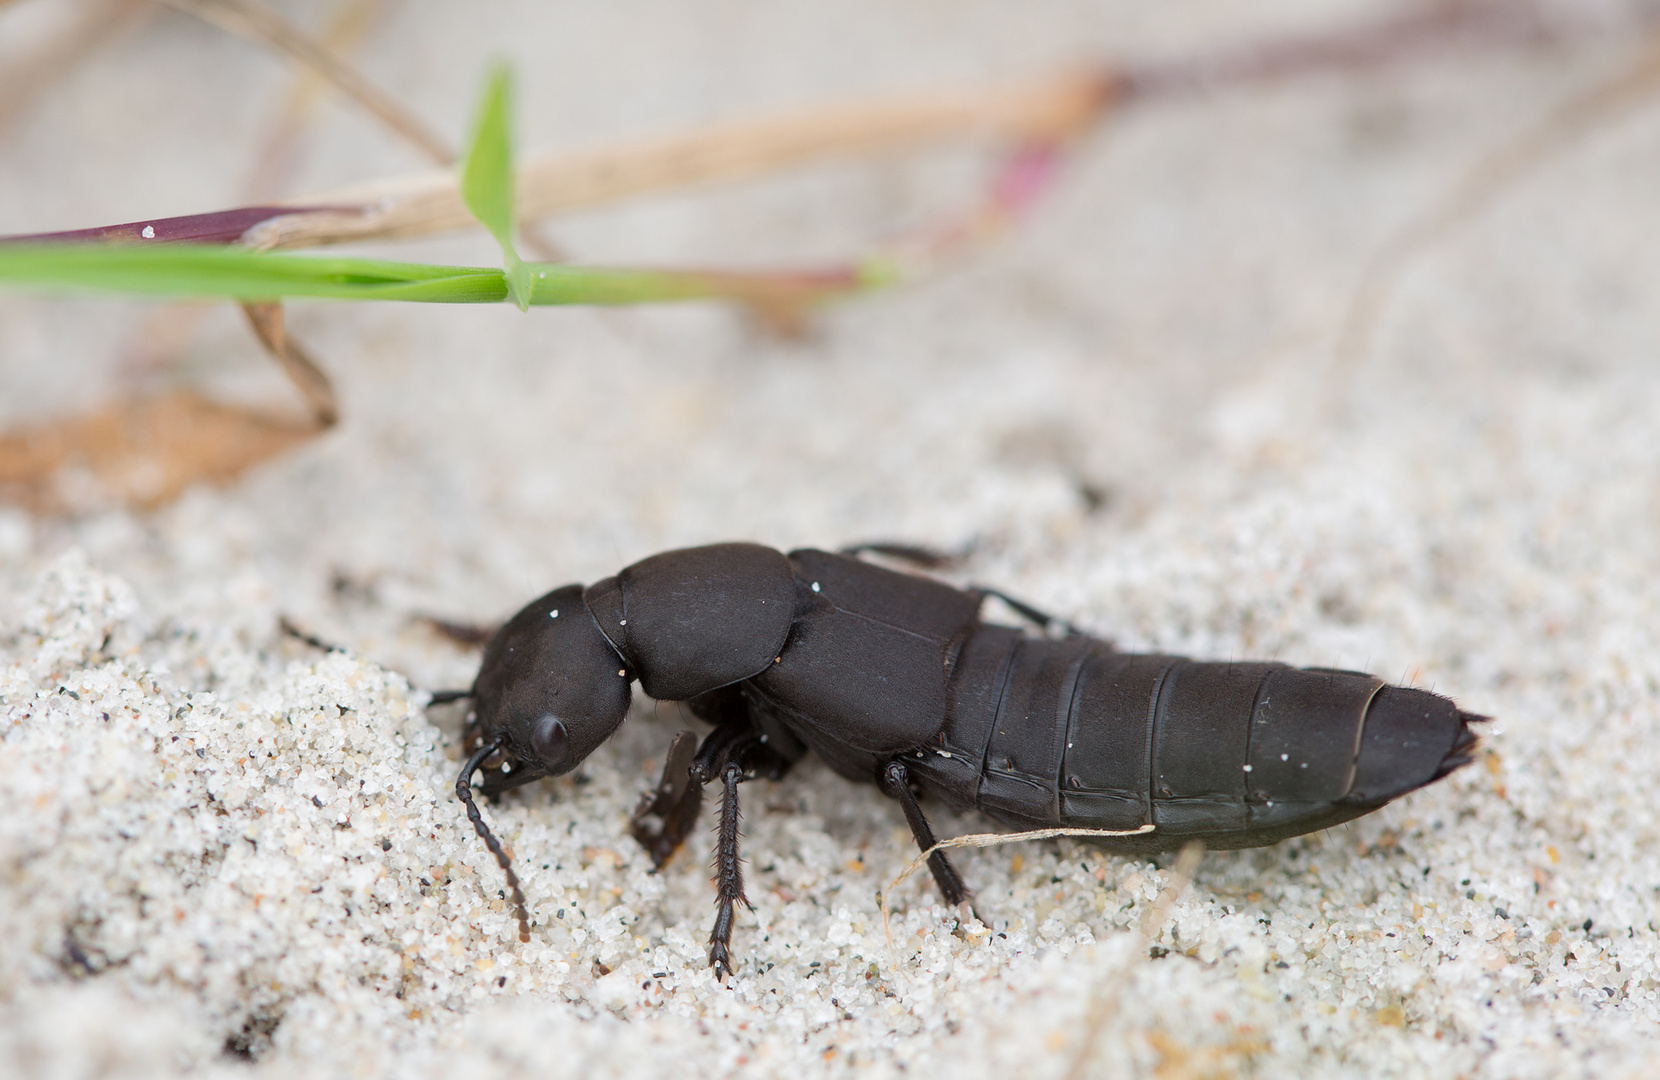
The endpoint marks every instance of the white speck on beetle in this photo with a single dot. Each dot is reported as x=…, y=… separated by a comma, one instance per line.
x=1247, y=768
x=815, y=586
x=149, y=232
x=1285, y=757
x=622, y=671
x=554, y=614
x=1304, y=765
x=778, y=659
x=622, y=622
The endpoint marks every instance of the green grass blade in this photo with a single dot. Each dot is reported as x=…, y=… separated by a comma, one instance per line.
x=560, y=283
x=487, y=177
x=199, y=271
x=215, y=272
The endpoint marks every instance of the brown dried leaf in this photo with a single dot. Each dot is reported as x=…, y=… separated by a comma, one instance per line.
x=141, y=454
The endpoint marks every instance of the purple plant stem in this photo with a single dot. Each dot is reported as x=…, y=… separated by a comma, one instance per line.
x=218, y=227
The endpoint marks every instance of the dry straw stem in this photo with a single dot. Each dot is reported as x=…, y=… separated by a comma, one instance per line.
x=991, y=840
x=348, y=25
x=1049, y=109
x=258, y=23
x=1052, y=109
x=1504, y=166
x=1411, y=32
x=268, y=323
x=324, y=62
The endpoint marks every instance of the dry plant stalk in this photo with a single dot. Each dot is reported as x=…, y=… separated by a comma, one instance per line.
x=1050, y=109
x=253, y=21
x=269, y=326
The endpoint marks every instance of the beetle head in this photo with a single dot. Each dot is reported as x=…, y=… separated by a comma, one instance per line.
x=549, y=691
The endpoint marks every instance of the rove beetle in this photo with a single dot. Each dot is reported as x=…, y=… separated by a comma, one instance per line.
x=894, y=679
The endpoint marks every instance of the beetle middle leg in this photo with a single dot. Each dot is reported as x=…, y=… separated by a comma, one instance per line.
x=895, y=781
x=926, y=557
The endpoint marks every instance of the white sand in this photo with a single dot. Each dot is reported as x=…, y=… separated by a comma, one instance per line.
x=213, y=836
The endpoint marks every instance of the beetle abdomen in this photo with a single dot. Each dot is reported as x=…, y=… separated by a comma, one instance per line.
x=1043, y=733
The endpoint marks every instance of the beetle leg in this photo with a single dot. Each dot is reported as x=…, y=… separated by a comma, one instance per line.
x=678, y=798
x=734, y=754
x=926, y=557
x=1041, y=619
x=759, y=759
x=895, y=781
x=459, y=632
x=729, y=871
x=743, y=758
x=714, y=753
x=676, y=802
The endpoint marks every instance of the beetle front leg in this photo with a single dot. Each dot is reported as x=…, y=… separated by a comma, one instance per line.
x=895, y=781
x=676, y=802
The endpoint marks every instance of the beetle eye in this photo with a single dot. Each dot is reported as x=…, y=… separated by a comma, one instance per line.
x=547, y=740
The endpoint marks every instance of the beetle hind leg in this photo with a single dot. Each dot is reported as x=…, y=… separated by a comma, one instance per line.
x=1049, y=625
x=895, y=781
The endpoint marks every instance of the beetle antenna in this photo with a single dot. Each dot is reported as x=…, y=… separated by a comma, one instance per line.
x=444, y=697
x=464, y=792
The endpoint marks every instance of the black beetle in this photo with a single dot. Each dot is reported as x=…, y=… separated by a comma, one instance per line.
x=893, y=678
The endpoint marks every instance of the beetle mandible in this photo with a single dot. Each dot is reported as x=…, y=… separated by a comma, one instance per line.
x=893, y=678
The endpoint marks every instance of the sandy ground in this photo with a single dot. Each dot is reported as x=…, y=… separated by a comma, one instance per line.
x=223, y=852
